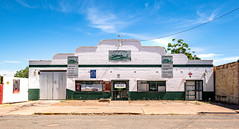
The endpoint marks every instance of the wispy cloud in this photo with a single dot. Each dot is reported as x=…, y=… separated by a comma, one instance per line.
x=65, y=6
x=204, y=17
x=106, y=21
x=159, y=42
x=31, y=59
x=25, y=4
x=156, y=5
x=146, y=5
x=225, y=60
x=198, y=49
x=200, y=17
x=209, y=55
x=9, y=73
x=13, y=62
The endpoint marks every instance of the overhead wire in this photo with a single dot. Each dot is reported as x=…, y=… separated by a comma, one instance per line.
x=195, y=26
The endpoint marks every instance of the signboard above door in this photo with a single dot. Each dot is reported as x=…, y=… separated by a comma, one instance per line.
x=119, y=55
x=119, y=86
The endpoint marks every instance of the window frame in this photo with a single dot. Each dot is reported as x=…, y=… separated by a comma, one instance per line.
x=88, y=82
x=150, y=83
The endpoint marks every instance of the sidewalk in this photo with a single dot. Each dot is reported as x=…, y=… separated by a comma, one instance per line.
x=94, y=107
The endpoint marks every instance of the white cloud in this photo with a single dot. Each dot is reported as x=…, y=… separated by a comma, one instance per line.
x=225, y=60
x=66, y=6
x=13, y=62
x=107, y=22
x=9, y=73
x=31, y=59
x=158, y=42
x=203, y=17
x=23, y=3
x=209, y=55
x=200, y=18
x=164, y=41
x=197, y=49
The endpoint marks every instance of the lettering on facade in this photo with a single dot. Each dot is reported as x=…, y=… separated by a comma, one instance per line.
x=72, y=66
x=167, y=66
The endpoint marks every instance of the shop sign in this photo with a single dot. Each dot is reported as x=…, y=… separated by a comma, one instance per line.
x=119, y=86
x=72, y=66
x=92, y=73
x=120, y=55
x=167, y=66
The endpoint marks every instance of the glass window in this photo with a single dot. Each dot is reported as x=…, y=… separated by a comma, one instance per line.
x=143, y=86
x=153, y=86
x=159, y=86
x=89, y=85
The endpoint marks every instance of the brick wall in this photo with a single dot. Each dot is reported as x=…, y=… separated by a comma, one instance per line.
x=226, y=83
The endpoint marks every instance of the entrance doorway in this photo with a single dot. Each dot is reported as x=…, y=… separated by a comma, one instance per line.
x=120, y=89
x=52, y=85
x=193, y=89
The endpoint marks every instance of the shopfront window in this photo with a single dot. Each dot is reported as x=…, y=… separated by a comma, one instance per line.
x=89, y=86
x=159, y=86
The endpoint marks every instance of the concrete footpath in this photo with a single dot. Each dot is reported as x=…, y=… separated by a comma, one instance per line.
x=94, y=107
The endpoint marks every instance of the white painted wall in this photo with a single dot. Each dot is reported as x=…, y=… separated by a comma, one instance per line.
x=139, y=55
x=8, y=96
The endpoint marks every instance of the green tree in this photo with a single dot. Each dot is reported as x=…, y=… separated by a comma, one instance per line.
x=181, y=47
x=22, y=73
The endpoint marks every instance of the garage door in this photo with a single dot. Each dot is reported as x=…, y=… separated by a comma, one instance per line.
x=52, y=85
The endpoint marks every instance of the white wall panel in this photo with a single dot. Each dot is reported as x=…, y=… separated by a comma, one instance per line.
x=9, y=96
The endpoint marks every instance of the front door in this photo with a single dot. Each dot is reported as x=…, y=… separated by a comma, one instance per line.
x=193, y=89
x=53, y=85
x=120, y=89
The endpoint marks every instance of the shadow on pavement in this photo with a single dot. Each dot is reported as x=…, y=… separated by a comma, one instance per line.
x=234, y=107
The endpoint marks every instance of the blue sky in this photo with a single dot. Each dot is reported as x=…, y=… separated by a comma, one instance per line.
x=37, y=29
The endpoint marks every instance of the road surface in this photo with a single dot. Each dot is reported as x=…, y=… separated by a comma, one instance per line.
x=121, y=122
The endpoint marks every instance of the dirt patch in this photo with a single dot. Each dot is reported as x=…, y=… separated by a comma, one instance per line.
x=81, y=103
x=162, y=102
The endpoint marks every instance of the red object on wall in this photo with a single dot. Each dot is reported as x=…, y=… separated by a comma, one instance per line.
x=107, y=86
x=190, y=74
x=1, y=93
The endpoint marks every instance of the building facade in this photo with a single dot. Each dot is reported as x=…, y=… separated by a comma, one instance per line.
x=121, y=69
x=227, y=83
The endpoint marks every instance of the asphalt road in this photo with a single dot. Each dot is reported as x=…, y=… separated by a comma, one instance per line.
x=121, y=122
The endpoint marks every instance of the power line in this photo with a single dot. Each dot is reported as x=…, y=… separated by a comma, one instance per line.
x=195, y=26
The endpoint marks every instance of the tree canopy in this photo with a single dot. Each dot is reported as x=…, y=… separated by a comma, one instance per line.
x=181, y=47
x=23, y=73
